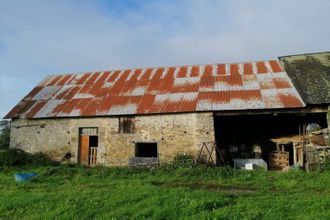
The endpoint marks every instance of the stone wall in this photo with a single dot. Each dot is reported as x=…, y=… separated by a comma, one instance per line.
x=174, y=133
x=328, y=116
x=328, y=120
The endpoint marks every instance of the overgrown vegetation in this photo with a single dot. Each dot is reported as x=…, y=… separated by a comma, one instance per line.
x=18, y=157
x=174, y=191
x=4, y=134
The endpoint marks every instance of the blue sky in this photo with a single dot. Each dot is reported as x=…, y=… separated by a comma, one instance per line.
x=38, y=38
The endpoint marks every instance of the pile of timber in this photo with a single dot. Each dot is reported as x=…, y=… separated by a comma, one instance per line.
x=143, y=162
x=278, y=160
x=318, y=137
x=310, y=150
x=317, y=150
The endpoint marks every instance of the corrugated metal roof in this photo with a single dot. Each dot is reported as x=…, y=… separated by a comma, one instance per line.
x=211, y=87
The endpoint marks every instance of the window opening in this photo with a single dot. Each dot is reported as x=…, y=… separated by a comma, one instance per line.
x=126, y=124
x=146, y=150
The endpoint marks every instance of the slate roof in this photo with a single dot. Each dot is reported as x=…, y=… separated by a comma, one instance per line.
x=211, y=87
x=310, y=74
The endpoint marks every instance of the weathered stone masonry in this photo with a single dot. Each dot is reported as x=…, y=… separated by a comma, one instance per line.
x=174, y=133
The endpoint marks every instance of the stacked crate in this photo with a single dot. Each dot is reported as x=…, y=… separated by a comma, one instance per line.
x=278, y=160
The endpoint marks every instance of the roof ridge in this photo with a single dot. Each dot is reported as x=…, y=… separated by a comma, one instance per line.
x=304, y=54
x=157, y=67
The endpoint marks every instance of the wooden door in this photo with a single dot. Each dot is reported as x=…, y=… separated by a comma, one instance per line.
x=311, y=162
x=84, y=149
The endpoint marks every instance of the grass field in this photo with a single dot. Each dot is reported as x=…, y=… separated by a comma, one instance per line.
x=73, y=192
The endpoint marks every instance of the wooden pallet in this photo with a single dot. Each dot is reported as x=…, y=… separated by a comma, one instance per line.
x=143, y=162
x=278, y=160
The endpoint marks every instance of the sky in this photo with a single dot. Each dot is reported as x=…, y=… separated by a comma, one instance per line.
x=40, y=38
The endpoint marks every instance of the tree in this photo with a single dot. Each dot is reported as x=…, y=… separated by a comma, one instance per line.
x=4, y=134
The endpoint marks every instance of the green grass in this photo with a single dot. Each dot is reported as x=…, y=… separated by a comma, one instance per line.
x=168, y=192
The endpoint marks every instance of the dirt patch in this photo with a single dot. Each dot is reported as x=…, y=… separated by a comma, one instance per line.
x=208, y=186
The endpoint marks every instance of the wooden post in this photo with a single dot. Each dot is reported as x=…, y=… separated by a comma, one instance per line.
x=93, y=156
x=294, y=153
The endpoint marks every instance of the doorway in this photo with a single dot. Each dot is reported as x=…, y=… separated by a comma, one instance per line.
x=88, y=144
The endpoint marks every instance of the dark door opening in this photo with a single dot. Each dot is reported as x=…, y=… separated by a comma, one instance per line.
x=93, y=141
x=146, y=150
x=289, y=148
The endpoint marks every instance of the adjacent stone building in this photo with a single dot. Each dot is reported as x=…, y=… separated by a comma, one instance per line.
x=109, y=117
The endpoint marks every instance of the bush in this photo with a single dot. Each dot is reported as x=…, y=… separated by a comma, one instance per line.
x=327, y=164
x=13, y=157
x=184, y=160
x=41, y=159
x=4, y=134
x=183, y=157
x=18, y=157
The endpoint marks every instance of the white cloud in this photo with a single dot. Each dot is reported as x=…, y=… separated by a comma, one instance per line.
x=46, y=37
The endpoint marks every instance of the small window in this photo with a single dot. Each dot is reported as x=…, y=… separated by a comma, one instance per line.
x=146, y=150
x=126, y=124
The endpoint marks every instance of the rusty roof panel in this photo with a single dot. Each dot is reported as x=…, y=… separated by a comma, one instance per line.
x=63, y=80
x=81, y=106
x=35, y=108
x=61, y=93
x=208, y=71
x=281, y=83
x=145, y=75
x=170, y=72
x=212, y=87
x=221, y=69
x=92, y=108
x=275, y=66
x=158, y=74
x=68, y=107
x=207, y=83
x=166, y=85
x=81, y=79
x=54, y=80
x=113, y=76
x=261, y=67
x=271, y=99
x=248, y=68
x=182, y=72
x=153, y=86
x=194, y=71
x=145, y=104
x=71, y=93
x=33, y=92
x=289, y=97
x=234, y=71
x=188, y=106
x=48, y=109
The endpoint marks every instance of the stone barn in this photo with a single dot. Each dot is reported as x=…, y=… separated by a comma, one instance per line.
x=112, y=117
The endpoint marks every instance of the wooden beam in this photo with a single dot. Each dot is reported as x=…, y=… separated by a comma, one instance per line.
x=294, y=154
x=307, y=110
